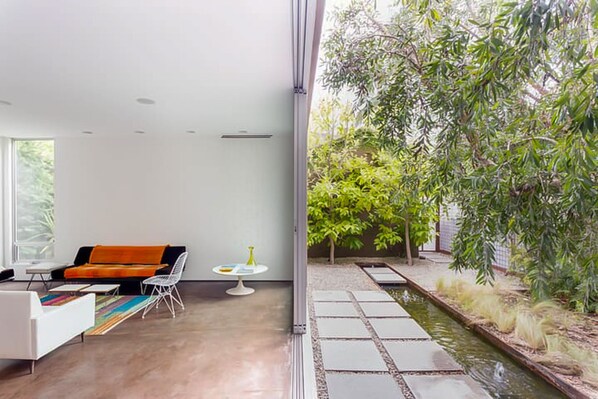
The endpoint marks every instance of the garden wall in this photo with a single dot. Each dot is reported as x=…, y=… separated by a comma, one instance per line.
x=368, y=250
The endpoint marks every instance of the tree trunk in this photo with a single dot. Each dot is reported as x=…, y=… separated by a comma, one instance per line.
x=331, y=250
x=408, y=243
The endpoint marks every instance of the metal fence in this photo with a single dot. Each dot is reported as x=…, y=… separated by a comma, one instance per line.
x=448, y=228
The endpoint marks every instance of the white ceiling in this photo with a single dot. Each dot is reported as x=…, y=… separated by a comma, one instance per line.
x=213, y=66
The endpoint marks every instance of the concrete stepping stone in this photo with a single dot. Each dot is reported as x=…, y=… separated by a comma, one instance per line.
x=445, y=386
x=378, y=270
x=335, y=309
x=388, y=279
x=420, y=356
x=372, y=296
x=330, y=296
x=360, y=386
x=342, y=328
x=383, y=309
x=351, y=356
x=398, y=328
x=438, y=258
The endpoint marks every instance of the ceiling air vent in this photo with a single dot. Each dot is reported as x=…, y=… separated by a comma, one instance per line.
x=243, y=134
x=246, y=136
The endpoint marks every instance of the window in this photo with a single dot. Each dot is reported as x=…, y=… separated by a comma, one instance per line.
x=33, y=200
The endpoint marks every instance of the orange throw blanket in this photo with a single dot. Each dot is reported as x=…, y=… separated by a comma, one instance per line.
x=111, y=271
x=127, y=255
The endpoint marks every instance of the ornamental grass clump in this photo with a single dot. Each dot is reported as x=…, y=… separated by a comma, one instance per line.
x=505, y=320
x=441, y=285
x=483, y=301
x=531, y=330
x=553, y=315
x=537, y=326
x=466, y=294
x=570, y=359
x=491, y=308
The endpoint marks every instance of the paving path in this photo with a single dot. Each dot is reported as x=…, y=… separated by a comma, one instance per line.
x=370, y=347
x=425, y=272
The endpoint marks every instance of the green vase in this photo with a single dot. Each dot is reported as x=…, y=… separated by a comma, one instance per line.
x=251, y=261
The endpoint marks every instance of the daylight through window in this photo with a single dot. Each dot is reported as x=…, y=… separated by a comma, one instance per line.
x=33, y=200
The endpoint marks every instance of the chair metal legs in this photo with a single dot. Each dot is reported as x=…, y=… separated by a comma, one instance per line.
x=180, y=301
x=167, y=294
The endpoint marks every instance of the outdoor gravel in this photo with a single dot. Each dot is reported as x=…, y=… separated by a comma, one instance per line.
x=346, y=275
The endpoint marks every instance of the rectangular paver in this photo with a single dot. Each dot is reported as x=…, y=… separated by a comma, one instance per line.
x=342, y=328
x=360, y=386
x=330, y=296
x=378, y=270
x=420, y=356
x=398, y=328
x=335, y=309
x=372, y=296
x=383, y=309
x=351, y=356
x=438, y=258
x=445, y=386
x=388, y=279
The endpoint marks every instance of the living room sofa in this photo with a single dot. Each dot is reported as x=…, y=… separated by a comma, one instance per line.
x=119, y=263
x=29, y=331
x=6, y=274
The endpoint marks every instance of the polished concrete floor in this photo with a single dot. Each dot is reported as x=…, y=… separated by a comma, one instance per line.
x=218, y=347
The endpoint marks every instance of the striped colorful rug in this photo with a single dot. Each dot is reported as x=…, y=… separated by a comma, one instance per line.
x=110, y=310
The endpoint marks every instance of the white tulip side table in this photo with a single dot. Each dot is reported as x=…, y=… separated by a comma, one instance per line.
x=239, y=271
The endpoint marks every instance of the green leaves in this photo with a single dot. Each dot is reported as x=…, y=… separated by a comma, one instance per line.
x=355, y=183
x=403, y=195
x=502, y=100
x=338, y=186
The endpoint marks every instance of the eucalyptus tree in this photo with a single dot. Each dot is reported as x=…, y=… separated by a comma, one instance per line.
x=502, y=96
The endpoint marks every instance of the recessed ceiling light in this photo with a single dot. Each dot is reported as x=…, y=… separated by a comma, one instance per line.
x=139, y=132
x=191, y=131
x=3, y=102
x=243, y=131
x=145, y=101
x=87, y=132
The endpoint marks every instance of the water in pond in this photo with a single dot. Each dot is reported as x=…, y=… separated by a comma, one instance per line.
x=497, y=373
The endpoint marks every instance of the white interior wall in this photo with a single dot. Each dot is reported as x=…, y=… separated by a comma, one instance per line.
x=4, y=204
x=216, y=196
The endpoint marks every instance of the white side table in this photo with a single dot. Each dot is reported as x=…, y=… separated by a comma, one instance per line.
x=69, y=288
x=104, y=289
x=41, y=269
x=240, y=289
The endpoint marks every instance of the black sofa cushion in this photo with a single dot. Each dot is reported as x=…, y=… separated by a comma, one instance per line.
x=7, y=274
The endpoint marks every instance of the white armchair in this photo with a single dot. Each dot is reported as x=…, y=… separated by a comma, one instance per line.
x=29, y=331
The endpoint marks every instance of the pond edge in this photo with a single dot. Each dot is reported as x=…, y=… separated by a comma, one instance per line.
x=518, y=356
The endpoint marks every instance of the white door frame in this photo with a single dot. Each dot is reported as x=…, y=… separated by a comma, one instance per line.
x=307, y=26
x=300, y=245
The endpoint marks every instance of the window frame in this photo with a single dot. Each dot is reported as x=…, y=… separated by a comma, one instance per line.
x=14, y=243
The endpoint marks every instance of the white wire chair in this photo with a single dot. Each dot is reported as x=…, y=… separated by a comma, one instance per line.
x=165, y=287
